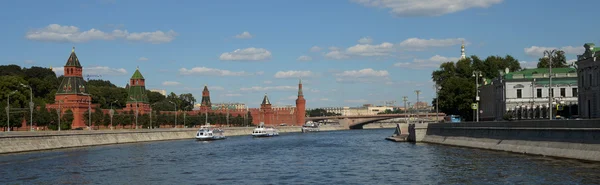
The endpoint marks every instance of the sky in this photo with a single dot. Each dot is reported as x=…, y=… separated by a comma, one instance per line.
x=347, y=52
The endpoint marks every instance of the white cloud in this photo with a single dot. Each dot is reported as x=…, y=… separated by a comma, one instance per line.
x=412, y=8
x=433, y=62
x=267, y=89
x=315, y=49
x=293, y=74
x=267, y=82
x=420, y=44
x=211, y=72
x=538, y=51
x=244, y=35
x=356, y=101
x=367, y=75
x=253, y=54
x=365, y=40
x=324, y=99
x=143, y=59
x=171, y=83
x=361, y=50
x=58, y=33
x=315, y=91
x=304, y=58
x=96, y=70
x=333, y=48
x=232, y=94
x=260, y=73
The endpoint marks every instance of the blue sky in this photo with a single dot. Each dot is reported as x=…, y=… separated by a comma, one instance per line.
x=348, y=52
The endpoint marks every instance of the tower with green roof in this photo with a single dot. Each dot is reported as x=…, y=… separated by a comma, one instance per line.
x=137, y=98
x=72, y=92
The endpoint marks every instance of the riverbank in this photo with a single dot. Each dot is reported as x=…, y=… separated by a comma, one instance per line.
x=12, y=142
x=575, y=139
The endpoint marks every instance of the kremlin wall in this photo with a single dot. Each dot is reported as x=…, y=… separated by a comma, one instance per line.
x=73, y=94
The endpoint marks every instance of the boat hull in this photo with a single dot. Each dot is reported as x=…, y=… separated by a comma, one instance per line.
x=209, y=138
x=265, y=135
x=304, y=129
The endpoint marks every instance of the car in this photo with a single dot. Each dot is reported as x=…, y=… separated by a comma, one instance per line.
x=283, y=124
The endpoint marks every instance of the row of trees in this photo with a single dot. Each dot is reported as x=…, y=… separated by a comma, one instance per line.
x=457, y=83
x=320, y=112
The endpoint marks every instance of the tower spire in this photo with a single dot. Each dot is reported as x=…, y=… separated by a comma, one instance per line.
x=300, y=93
x=462, y=50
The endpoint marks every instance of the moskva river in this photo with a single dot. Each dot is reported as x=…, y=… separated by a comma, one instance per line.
x=342, y=157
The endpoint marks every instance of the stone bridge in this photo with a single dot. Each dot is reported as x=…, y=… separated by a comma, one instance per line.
x=357, y=122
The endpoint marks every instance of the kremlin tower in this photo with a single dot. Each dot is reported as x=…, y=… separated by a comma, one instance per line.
x=205, y=103
x=300, y=106
x=266, y=110
x=462, y=51
x=72, y=93
x=137, y=97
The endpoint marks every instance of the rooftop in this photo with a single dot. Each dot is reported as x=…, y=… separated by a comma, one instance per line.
x=541, y=73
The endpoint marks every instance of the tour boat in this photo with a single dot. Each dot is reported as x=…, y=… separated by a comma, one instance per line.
x=310, y=126
x=264, y=131
x=207, y=133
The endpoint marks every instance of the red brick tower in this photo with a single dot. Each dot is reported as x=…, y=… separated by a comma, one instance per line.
x=300, y=106
x=138, y=99
x=266, y=111
x=72, y=92
x=205, y=104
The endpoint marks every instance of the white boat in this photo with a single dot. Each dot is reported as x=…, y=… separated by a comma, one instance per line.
x=264, y=131
x=310, y=126
x=208, y=133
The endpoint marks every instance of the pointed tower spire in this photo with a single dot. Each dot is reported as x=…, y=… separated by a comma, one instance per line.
x=73, y=50
x=266, y=100
x=300, y=88
x=462, y=51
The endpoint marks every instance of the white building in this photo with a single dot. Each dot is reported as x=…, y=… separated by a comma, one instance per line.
x=358, y=111
x=524, y=94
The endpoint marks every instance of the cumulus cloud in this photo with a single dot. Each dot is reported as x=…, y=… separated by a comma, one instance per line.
x=421, y=44
x=361, y=50
x=59, y=33
x=365, y=40
x=538, y=51
x=421, y=8
x=269, y=88
x=304, y=58
x=366, y=75
x=267, y=82
x=248, y=54
x=432, y=62
x=171, y=83
x=96, y=70
x=293, y=74
x=315, y=49
x=244, y=35
x=528, y=65
x=143, y=59
x=205, y=71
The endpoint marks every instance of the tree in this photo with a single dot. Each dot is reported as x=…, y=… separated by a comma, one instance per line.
x=249, y=118
x=106, y=120
x=186, y=102
x=144, y=120
x=52, y=119
x=98, y=117
x=66, y=120
x=559, y=60
x=154, y=97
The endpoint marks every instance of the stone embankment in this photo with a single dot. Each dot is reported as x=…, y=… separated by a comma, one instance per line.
x=576, y=139
x=11, y=142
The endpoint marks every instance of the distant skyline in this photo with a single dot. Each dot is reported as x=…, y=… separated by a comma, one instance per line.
x=347, y=52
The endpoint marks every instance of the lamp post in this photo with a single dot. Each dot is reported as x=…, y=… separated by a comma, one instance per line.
x=8, y=110
x=477, y=75
x=30, y=106
x=89, y=100
x=437, y=97
x=175, y=113
x=549, y=55
x=112, y=113
x=136, y=111
x=417, y=104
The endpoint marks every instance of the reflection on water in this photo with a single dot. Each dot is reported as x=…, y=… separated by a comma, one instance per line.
x=344, y=157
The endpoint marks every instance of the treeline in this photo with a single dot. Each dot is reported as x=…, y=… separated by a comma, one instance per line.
x=320, y=112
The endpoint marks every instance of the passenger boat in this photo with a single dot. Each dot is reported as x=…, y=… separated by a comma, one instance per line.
x=310, y=126
x=264, y=131
x=208, y=133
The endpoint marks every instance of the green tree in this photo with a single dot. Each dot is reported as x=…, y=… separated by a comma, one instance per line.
x=559, y=60
x=106, y=120
x=186, y=102
x=249, y=118
x=144, y=120
x=98, y=117
x=66, y=120
x=154, y=97
x=52, y=119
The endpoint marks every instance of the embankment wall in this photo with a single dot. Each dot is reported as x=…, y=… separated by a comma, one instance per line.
x=576, y=139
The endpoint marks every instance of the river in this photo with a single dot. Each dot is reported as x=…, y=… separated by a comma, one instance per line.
x=340, y=157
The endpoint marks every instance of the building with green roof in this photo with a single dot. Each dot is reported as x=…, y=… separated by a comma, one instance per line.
x=525, y=94
x=137, y=97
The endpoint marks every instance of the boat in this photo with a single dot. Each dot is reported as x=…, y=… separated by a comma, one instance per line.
x=310, y=126
x=264, y=131
x=208, y=133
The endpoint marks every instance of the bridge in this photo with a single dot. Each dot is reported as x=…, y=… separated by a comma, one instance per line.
x=358, y=121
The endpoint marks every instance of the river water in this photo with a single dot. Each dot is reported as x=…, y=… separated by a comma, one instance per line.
x=341, y=157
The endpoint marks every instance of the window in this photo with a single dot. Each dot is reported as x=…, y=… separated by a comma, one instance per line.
x=590, y=80
x=519, y=93
x=539, y=93
x=575, y=92
x=563, y=92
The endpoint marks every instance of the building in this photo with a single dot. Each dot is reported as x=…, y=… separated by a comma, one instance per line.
x=589, y=81
x=525, y=94
x=366, y=109
x=161, y=91
x=72, y=93
x=137, y=98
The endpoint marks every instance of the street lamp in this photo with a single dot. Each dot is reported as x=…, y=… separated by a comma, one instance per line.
x=417, y=104
x=112, y=113
x=477, y=75
x=89, y=100
x=8, y=110
x=30, y=106
x=136, y=111
x=175, y=113
x=549, y=55
x=437, y=97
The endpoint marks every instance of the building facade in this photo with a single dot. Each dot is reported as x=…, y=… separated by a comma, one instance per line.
x=589, y=81
x=525, y=94
x=358, y=111
x=137, y=98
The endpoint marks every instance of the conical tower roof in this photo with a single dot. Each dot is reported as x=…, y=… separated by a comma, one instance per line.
x=137, y=74
x=205, y=88
x=266, y=100
x=73, y=61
